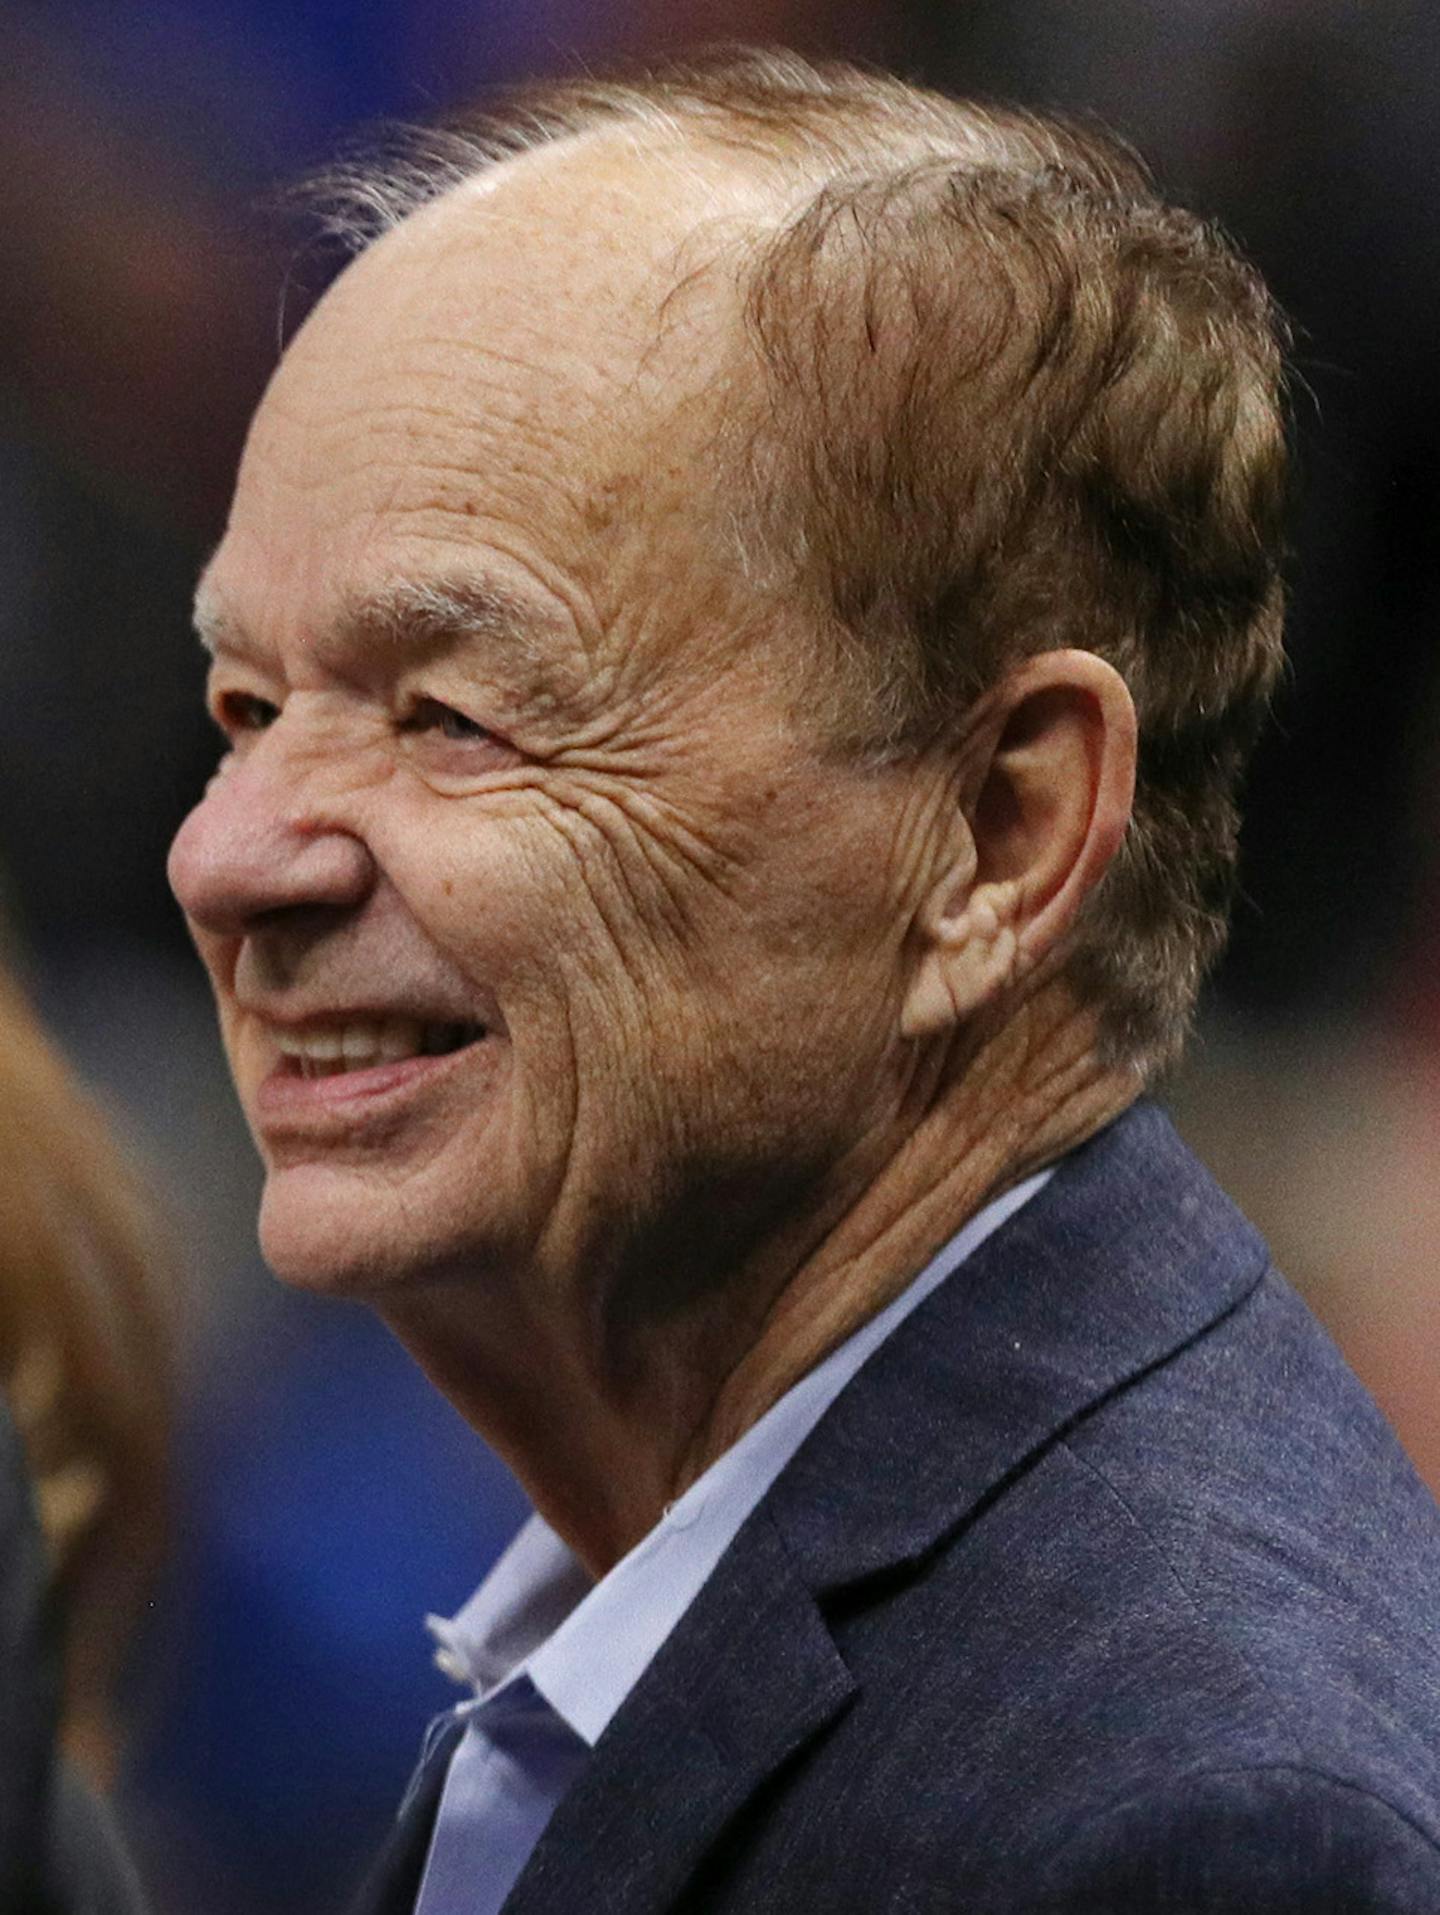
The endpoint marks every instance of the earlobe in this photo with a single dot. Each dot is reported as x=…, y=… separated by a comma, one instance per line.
x=970, y=956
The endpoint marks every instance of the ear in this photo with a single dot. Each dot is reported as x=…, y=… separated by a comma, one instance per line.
x=1048, y=780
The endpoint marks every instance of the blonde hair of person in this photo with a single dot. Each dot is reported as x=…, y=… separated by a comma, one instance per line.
x=84, y=1359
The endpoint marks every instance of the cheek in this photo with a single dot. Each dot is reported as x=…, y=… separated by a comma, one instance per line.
x=526, y=904
x=574, y=915
x=817, y=898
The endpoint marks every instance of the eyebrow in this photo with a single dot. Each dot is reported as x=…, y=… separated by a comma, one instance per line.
x=409, y=616
x=421, y=617
x=216, y=631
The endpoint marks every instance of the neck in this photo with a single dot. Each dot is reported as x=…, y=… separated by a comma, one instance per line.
x=602, y=1451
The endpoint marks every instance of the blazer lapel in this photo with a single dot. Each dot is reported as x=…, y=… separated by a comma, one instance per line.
x=393, y=1882
x=747, y=1679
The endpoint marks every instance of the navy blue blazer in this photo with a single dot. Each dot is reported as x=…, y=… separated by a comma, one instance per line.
x=1103, y=1587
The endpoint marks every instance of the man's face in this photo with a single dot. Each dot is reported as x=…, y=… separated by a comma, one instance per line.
x=541, y=933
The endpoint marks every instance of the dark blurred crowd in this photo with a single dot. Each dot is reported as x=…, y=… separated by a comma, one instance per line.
x=324, y=1498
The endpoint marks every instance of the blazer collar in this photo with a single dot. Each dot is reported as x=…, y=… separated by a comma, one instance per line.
x=1129, y=1253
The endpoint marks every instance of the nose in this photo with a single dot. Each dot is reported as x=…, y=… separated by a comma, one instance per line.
x=259, y=843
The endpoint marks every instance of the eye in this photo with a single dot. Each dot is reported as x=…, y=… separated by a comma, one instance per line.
x=240, y=712
x=429, y=715
x=451, y=751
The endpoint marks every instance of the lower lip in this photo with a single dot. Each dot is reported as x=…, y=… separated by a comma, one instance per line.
x=287, y=1096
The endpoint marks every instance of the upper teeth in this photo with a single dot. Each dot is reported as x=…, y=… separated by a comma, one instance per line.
x=364, y=1042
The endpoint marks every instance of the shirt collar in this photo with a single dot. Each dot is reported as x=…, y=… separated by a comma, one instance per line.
x=583, y=1644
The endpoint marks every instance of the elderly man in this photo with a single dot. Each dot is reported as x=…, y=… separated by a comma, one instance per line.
x=702, y=590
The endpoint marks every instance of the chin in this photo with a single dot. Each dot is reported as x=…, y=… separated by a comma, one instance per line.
x=313, y=1239
x=338, y=1232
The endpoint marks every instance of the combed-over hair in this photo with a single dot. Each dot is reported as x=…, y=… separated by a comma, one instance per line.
x=1001, y=398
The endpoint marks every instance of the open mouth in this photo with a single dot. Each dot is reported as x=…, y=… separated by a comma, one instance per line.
x=363, y=1043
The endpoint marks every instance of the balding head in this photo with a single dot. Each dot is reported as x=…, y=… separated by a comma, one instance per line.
x=678, y=633
x=522, y=817
x=531, y=306
x=988, y=395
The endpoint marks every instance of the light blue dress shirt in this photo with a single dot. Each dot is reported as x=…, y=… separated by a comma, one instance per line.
x=551, y=1655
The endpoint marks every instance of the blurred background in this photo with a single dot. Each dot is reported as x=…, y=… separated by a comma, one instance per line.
x=326, y=1499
